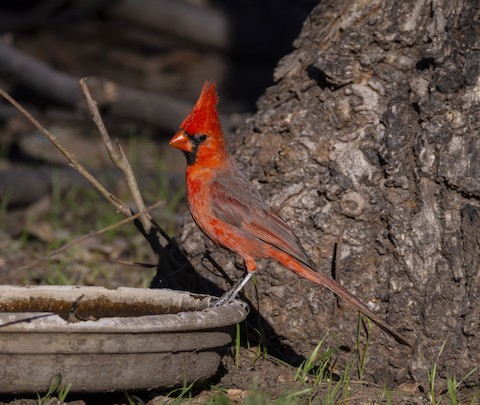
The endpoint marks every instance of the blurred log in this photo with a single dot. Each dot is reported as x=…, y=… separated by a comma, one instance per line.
x=34, y=15
x=118, y=101
x=208, y=27
x=41, y=78
x=22, y=186
x=251, y=29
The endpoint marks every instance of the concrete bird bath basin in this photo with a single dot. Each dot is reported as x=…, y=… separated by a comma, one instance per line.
x=101, y=340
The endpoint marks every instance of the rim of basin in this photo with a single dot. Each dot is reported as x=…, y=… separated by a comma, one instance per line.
x=98, y=309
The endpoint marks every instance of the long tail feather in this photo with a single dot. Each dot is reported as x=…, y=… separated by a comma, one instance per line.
x=322, y=279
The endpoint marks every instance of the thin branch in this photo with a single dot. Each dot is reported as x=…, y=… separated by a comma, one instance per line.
x=117, y=156
x=142, y=221
x=145, y=224
x=133, y=186
x=27, y=319
x=115, y=201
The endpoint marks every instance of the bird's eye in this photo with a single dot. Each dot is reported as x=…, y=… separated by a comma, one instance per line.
x=201, y=137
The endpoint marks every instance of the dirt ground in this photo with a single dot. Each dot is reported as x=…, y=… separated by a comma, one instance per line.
x=259, y=380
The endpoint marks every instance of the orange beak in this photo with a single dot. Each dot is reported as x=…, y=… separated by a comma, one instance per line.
x=180, y=141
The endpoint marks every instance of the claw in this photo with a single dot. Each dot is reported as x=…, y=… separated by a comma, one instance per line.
x=230, y=295
x=226, y=298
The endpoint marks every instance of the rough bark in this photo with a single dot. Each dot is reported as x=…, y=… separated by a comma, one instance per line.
x=369, y=141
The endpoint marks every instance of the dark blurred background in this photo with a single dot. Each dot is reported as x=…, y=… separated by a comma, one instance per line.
x=161, y=46
x=146, y=61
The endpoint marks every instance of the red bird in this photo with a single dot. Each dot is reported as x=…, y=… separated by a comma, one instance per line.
x=230, y=211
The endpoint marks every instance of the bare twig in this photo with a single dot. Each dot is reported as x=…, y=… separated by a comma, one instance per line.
x=115, y=201
x=72, y=313
x=117, y=156
x=27, y=319
x=166, y=261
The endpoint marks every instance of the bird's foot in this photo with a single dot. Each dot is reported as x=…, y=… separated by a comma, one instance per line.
x=230, y=295
x=226, y=298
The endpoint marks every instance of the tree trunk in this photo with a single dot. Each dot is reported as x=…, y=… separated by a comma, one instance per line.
x=368, y=144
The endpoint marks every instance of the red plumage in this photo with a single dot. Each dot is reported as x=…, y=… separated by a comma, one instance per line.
x=231, y=212
x=204, y=116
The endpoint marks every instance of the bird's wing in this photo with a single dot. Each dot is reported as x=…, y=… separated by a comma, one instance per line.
x=237, y=203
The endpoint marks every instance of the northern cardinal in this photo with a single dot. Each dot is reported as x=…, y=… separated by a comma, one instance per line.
x=231, y=212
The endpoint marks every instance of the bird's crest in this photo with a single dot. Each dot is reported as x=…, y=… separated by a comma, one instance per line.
x=203, y=119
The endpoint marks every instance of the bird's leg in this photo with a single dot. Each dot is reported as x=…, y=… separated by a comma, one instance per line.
x=230, y=295
x=233, y=292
